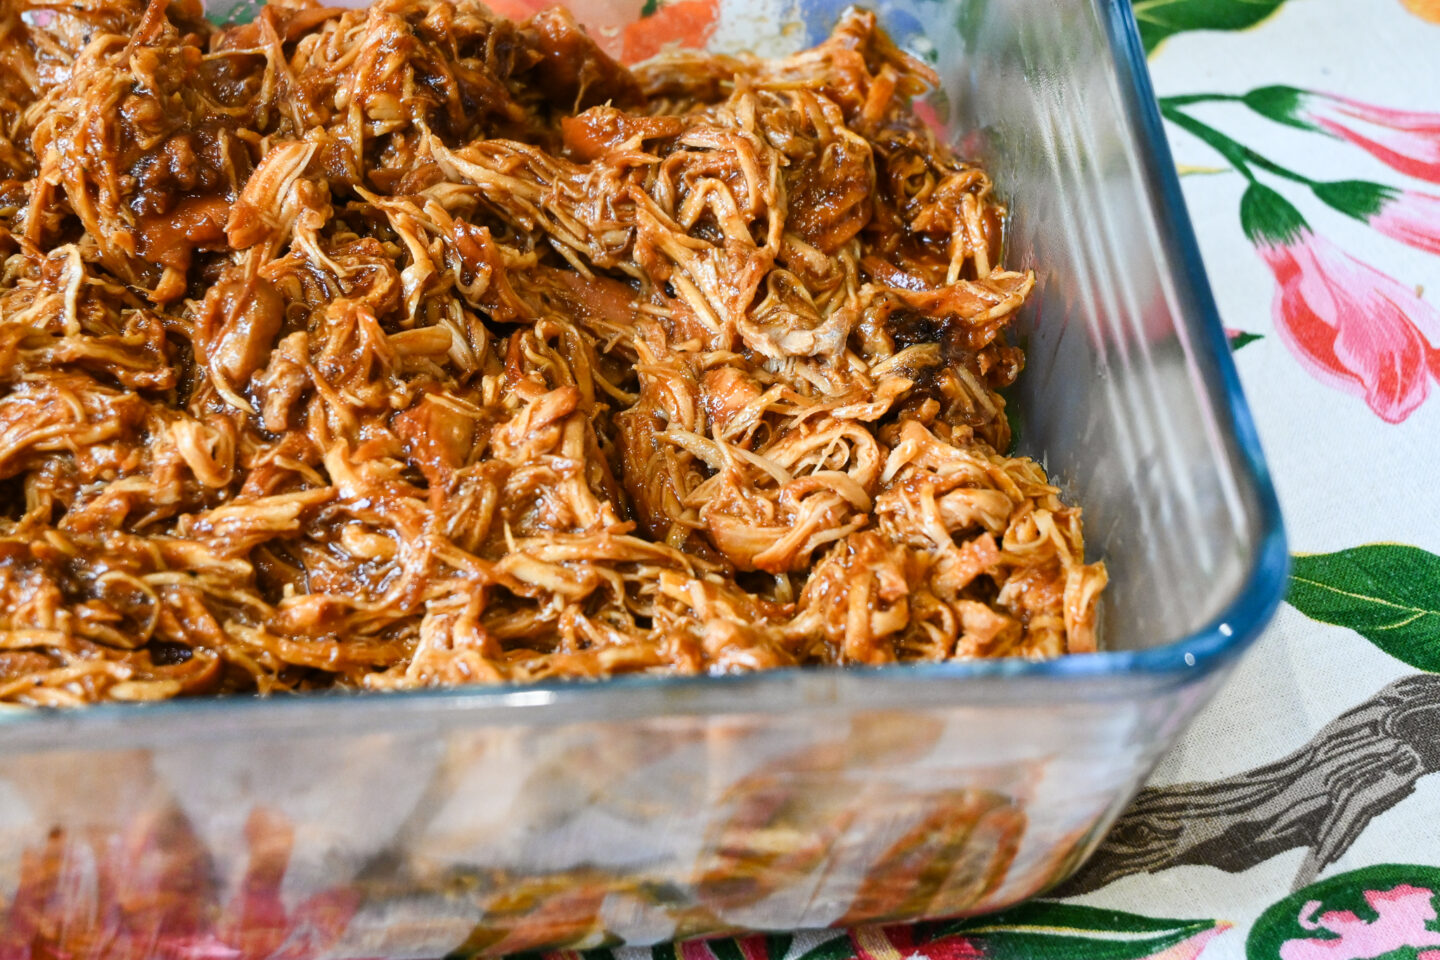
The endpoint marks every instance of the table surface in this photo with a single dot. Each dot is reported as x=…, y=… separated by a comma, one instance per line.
x=1297, y=819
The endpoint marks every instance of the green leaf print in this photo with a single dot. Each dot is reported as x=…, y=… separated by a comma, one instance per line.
x=1269, y=219
x=1282, y=104
x=1389, y=593
x=836, y=948
x=1242, y=338
x=1386, y=910
x=777, y=945
x=1161, y=19
x=1360, y=199
x=1063, y=931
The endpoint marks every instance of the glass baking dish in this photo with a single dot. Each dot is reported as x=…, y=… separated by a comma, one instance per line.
x=493, y=820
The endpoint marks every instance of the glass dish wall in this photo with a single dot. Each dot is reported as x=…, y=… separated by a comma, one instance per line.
x=495, y=820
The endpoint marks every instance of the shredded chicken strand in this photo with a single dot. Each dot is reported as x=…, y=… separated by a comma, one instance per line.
x=409, y=346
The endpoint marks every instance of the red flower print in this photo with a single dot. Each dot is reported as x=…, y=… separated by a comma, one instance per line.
x=1352, y=326
x=1424, y=9
x=926, y=113
x=684, y=23
x=1406, y=215
x=1407, y=140
x=898, y=943
x=1412, y=218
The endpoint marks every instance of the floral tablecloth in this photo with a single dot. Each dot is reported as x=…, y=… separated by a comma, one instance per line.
x=1298, y=818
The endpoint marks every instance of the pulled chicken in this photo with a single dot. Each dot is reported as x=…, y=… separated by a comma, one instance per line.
x=409, y=345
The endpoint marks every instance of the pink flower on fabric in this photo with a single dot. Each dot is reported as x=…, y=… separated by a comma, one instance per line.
x=1406, y=215
x=1402, y=918
x=1192, y=948
x=1407, y=140
x=1412, y=218
x=1350, y=325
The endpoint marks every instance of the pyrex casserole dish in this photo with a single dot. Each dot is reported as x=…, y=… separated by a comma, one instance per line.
x=500, y=819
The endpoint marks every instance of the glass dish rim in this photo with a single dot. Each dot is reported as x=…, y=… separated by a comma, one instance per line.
x=1188, y=658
